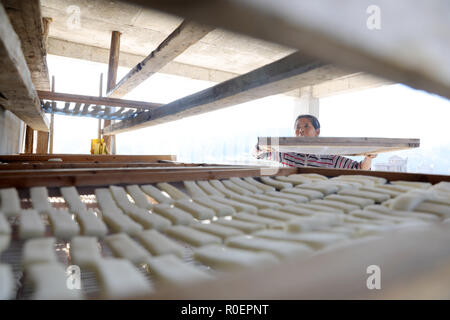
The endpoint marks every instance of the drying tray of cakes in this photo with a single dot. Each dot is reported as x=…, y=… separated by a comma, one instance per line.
x=127, y=241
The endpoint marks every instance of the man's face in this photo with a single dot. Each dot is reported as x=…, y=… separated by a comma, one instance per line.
x=304, y=128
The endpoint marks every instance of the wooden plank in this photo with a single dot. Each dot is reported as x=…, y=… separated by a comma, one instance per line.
x=42, y=142
x=86, y=158
x=185, y=35
x=29, y=139
x=399, y=49
x=80, y=165
x=351, y=146
x=26, y=19
x=16, y=87
x=123, y=177
x=291, y=72
x=107, y=102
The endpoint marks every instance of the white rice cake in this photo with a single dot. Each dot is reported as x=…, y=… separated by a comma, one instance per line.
x=246, y=185
x=439, y=209
x=297, y=210
x=175, y=215
x=171, y=270
x=281, y=249
x=318, y=208
x=90, y=224
x=156, y=194
x=397, y=188
x=197, y=211
x=63, y=226
x=192, y=236
x=298, y=198
x=219, y=186
x=268, y=222
x=276, y=183
x=377, y=197
x=379, y=216
x=39, y=198
x=5, y=239
x=263, y=187
x=361, y=202
x=72, y=198
x=84, y=251
x=105, y=200
x=194, y=190
x=323, y=187
x=121, y=198
x=9, y=202
x=172, y=191
x=50, y=282
x=277, y=214
x=238, y=206
x=236, y=188
x=260, y=204
x=412, y=184
x=124, y=247
x=407, y=214
x=40, y=250
x=119, y=279
x=244, y=226
x=158, y=244
x=5, y=228
x=118, y=222
x=30, y=225
x=319, y=221
x=228, y=259
x=149, y=220
x=269, y=198
x=7, y=283
x=391, y=193
x=209, y=189
x=308, y=194
x=316, y=240
x=219, y=208
x=139, y=197
x=336, y=204
x=295, y=180
x=310, y=176
x=217, y=230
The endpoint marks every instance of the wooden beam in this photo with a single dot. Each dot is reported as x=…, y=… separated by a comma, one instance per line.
x=101, y=101
x=293, y=71
x=26, y=19
x=29, y=139
x=85, y=158
x=42, y=142
x=114, y=52
x=16, y=87
x=397, y=48
x=185, y=35
x=351, y=146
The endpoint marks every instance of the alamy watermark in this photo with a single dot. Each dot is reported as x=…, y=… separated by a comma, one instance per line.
x=374, y=280
x=73, y=21
x=73, y=281
x=374, y=19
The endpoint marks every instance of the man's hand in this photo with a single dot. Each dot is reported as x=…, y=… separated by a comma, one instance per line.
x=366, y=164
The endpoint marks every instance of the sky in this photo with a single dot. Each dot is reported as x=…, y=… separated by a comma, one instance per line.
x=228, y=135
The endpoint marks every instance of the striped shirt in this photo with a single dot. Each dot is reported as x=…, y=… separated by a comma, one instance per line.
x=292, y=159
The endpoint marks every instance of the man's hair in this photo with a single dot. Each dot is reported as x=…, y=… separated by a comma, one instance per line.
x=314, y=121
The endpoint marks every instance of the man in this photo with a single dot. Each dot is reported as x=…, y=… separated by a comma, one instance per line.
x=309, y=126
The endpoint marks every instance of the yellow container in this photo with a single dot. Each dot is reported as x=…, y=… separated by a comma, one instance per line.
x=98, y=146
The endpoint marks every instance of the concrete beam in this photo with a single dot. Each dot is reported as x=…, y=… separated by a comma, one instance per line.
x=101, y=55
x=17, y=93
x=185, y=35
x=381, y=37
x=293, y=71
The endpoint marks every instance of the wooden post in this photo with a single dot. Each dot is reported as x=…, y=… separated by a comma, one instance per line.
x=100, y=95
x=112, y=78
x=52, y=118
x=45, y=26
x=29, y=135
